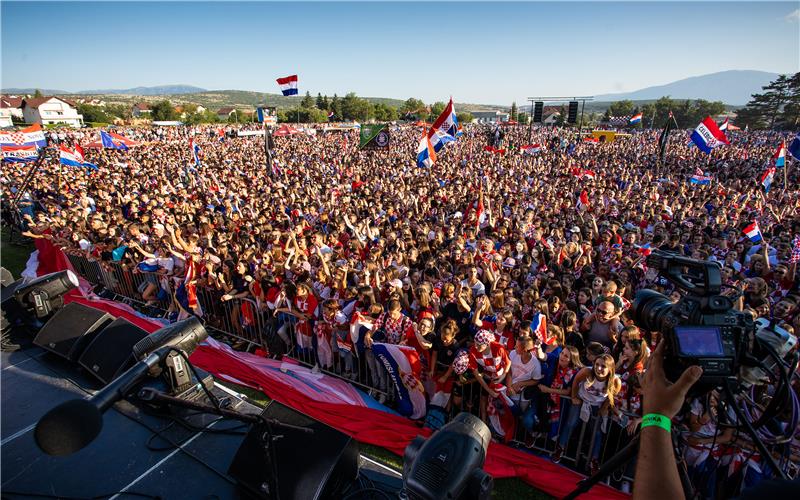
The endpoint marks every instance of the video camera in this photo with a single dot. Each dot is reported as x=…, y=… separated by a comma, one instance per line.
x=703, y=328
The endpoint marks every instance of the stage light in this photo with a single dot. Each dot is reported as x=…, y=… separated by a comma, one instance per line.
x=449, y=464
x=45, y=294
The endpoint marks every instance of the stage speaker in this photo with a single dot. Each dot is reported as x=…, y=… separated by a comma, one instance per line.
x=572, y=114
x=538, y=108
x=307, y=466
x=111, y=351
x=71, y=329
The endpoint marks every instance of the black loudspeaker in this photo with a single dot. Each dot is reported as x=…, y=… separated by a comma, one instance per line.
x=572, y=114
x=308, y=466
x=538, y=108
x=71, y=329
x=111, y=351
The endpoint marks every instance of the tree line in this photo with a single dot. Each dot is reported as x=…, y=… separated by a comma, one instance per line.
x=777, y=107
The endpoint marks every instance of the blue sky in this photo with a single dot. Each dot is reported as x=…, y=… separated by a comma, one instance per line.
x=478, y=52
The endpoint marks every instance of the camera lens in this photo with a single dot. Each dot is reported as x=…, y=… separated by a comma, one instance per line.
x=651, y=309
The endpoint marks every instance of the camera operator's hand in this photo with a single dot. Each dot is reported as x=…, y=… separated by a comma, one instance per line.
x=658, y=395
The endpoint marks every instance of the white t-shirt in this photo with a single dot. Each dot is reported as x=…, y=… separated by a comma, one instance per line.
x=522, y=372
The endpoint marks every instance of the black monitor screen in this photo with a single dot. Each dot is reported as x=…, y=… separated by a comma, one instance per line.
x=699, y=340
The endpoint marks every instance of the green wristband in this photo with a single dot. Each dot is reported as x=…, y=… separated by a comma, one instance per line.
x=656, y=420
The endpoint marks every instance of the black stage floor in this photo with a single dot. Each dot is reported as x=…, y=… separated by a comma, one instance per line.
x=33, y=381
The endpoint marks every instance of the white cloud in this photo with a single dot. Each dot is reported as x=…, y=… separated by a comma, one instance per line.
x=794, y=16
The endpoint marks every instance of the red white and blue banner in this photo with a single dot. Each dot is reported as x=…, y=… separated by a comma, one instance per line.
x=73, y=157
x=426, y=154
x=445, y=128
x=405, y=370
x=753, y=232
x=766, y=179
x=30, y=136
x=19, y=153
x=635, y=119
x=288, y=85
x=779, y=158
x=708, y=136
x=539, y=329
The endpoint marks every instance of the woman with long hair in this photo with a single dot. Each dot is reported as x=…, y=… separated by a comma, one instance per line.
x=593, y=391
x=569, y=364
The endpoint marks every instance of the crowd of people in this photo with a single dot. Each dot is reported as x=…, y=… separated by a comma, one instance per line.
x=486, y=263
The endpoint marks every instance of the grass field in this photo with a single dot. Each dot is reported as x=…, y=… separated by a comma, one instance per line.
x=13, y=256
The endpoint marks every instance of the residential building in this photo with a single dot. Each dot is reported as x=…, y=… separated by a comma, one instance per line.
x=10, y=109
x=141, y=108
x=225, y=113
x=51, y=110
x=489, y=116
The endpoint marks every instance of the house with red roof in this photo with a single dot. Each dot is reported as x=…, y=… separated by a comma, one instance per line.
x=51, y=110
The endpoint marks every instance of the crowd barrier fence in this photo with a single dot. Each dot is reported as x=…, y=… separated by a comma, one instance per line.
x=251, y=323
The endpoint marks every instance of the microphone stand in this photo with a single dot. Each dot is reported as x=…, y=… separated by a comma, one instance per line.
x=264, y=426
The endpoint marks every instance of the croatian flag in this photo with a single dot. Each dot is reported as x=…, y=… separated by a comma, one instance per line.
x=402, y=363
x=635, y=119
x=753, y=232
x=30, y=136
x=330, y=115
x=445, y=128
x=700, y=179
x=531, y=149
x=426, y=154
x=19, y=153
x=724, y=125
x=539, y=329
x=583, y=201
x=794, y=147
x=195, y=152
x=73, y=158
x=288, y=85
x=766, y=179
x=708, y=136
x=779, y=158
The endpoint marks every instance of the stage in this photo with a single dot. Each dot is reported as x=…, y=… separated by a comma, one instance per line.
x=133, y=455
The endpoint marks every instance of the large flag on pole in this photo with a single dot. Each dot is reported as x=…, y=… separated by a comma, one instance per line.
x=288, y=85
x=708, y=136
x=374, y=136
x=445, y=129
x=663, y=139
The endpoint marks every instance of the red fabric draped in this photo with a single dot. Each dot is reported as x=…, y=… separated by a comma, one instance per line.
x=367, y=425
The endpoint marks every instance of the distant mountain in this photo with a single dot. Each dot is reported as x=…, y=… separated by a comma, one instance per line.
x=159, y=90
x=731, y=87
x=19, y=91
